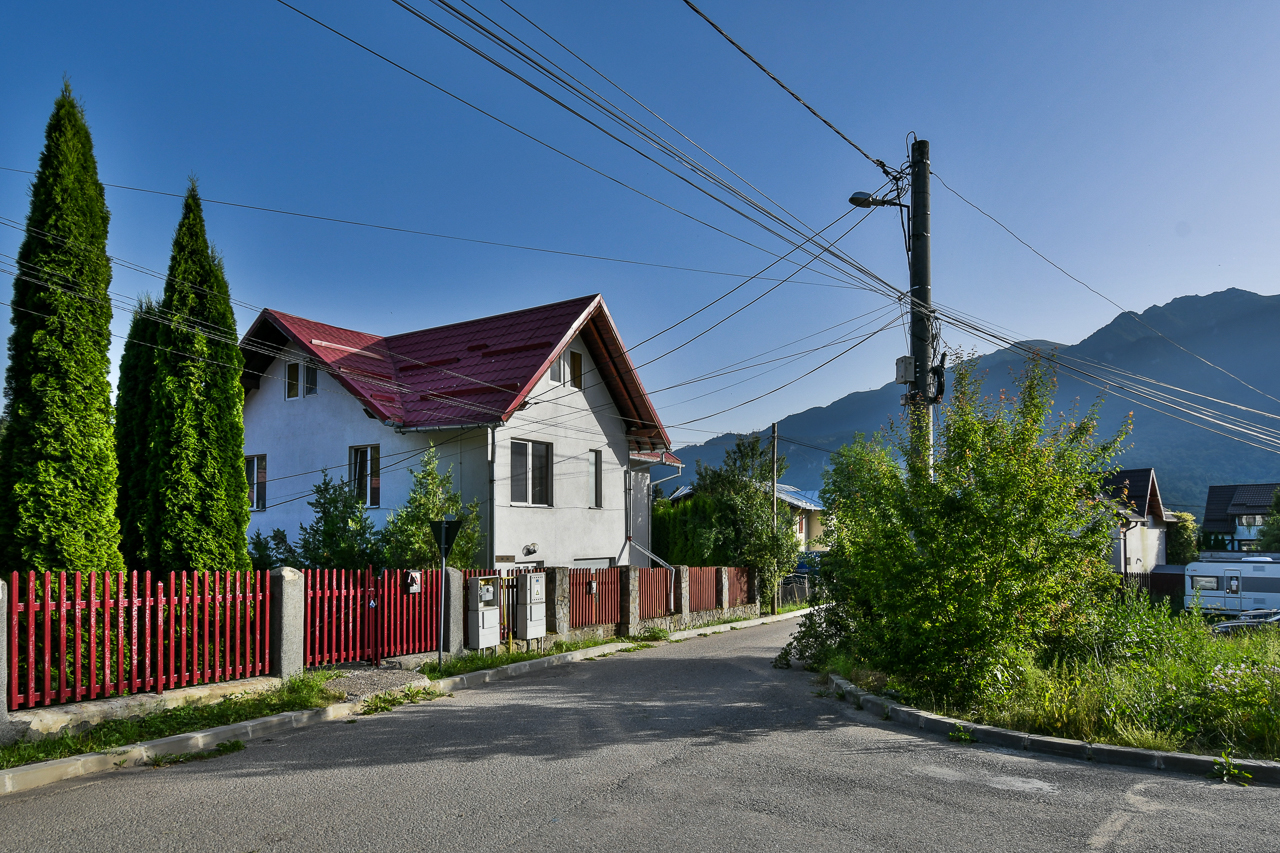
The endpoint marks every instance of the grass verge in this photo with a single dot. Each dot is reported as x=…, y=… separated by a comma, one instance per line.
x=477, y=661
x=297, y=694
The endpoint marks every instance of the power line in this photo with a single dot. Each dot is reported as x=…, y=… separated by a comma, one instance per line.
x=1097, y=292
x=880, y=163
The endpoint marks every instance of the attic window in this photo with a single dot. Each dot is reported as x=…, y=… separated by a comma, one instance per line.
x=300, y=380
x=575, y=369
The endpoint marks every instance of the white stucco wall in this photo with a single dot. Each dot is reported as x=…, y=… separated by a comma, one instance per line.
x=1145, y=545
x=302, y=435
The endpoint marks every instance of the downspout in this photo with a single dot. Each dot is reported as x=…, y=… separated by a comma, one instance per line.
x=493, y=527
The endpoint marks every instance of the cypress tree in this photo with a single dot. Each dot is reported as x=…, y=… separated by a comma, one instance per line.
x=57, y=455
x=133, y=416
x=197, y=510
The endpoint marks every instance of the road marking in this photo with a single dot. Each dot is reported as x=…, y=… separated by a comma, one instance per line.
x=1022, y=784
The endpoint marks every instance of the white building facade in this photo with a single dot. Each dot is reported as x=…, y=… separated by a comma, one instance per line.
x=538, y=413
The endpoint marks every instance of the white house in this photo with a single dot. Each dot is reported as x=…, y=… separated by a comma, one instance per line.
x=1141, y=536
x=805, y=508
x=539, y=412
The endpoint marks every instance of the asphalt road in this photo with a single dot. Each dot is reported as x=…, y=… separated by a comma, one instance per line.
x=697, y=746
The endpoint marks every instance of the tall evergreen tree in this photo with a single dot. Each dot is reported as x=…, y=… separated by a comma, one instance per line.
x=197, y=509
x=133, y=417
x=57, y=456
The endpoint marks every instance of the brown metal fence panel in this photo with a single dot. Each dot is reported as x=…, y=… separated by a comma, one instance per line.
x=702, y=588
x=75, y=637
x=594, y=597
x=359, y=616
x=738, y=591
x=655, y=592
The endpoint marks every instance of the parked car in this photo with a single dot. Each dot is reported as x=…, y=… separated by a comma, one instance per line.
x=1248, y=621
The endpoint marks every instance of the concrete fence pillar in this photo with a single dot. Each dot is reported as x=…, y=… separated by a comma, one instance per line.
x=722, y=587
x=629, y=593
x=753, y=586
x=288, y=628
x=558, y=601
x=455, y=610
x=682, y=594
x=8, y=732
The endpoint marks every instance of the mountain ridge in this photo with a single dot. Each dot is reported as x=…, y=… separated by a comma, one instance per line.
x=1231, y=328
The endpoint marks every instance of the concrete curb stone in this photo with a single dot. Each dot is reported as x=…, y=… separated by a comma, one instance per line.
x=746, y=623
x=1261, y=772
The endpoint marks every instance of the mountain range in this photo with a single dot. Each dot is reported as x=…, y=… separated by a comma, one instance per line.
x=1215, y=345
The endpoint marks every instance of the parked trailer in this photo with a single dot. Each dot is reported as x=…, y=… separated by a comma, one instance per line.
x=1230, y=587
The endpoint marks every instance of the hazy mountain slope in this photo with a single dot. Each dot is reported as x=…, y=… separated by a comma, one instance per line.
x=1235, y=329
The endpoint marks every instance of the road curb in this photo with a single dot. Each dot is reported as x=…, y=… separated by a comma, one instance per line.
x=1263, y=772
x=734, y=626
x=29, y=776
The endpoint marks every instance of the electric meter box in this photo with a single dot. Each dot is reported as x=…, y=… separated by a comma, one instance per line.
x=531, y=588
x=531, y=621
x=906, y=370
x=483, y=593
x=483, y=628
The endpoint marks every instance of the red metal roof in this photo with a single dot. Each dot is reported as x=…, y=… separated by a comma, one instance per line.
x=478, y=371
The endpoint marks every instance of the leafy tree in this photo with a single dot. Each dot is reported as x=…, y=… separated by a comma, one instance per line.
x=57, y=454
x=133, y=416
x=748, y=460
x=342, y=536
x=1269, y=533
x=197, y=513
x=1180, y=547
x=1002, y=545
x=407, y=540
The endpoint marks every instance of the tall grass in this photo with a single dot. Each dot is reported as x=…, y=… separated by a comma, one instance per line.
x=1140, y=676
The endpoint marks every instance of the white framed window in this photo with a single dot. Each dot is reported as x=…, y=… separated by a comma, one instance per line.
x=301, y=380
x=365, y=474
x=800, y=524
x=255, y=474
x=556, y=374
x=531, y=473
x=596, y=480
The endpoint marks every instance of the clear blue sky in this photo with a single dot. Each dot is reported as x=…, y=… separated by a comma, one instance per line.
x=1129, y=142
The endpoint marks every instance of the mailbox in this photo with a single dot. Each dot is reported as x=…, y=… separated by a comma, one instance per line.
x=591, y=587
x=411, y=582
x=531, y=607
x=483, y=620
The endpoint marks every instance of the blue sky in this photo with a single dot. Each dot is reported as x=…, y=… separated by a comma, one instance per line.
x=1130, y=143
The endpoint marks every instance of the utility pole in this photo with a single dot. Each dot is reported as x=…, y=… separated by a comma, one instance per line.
x=917, y=371
x=920, y=393
x=775, y=475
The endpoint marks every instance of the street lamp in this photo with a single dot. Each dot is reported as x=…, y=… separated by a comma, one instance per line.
x=861, y=199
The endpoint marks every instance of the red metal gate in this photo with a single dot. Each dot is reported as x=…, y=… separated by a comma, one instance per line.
x=362, y=616
x=594, y=597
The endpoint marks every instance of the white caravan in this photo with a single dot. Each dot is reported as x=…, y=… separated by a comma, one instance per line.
x=1233, y=586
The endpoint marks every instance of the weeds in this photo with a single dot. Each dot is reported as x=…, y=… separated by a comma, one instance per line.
x=390, y=699
x=225, y=748
x=1226, y=769
x=959, y=735
x=299, y=693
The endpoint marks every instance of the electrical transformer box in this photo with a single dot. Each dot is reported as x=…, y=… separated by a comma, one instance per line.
x=483, y=629
x=531, y=621
x=531, y=588
x=906, y=370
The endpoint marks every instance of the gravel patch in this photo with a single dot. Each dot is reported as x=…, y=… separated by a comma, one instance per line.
x=366, y=681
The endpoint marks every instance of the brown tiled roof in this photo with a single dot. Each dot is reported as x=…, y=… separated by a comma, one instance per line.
x=1137, y=491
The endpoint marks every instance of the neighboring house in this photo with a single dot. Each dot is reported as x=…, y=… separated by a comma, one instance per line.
x=539, y=413
x=1141, y=536
x=1236, y=513
x=805, y=509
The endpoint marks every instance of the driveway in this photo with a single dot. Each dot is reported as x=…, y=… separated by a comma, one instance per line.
x=697, y=746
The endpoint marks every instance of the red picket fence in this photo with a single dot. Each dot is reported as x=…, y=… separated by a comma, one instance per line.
x=602, y=607
x=655, y=590
x=739, y=593
x=357, y=616
x=507, y=601
x=702, y=588
x=74, y=637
